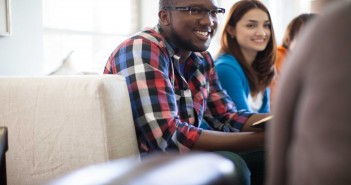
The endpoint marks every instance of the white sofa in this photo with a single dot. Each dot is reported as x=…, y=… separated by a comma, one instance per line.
x=57, y=124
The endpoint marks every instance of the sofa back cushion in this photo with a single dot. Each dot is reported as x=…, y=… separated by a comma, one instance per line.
x=58, y=124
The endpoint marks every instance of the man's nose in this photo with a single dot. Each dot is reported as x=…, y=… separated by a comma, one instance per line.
x=208, y=20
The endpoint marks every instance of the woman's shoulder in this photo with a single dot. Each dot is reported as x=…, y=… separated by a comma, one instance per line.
x=227, y=59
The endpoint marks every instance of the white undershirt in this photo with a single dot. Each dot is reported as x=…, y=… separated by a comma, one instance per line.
x=255, y=103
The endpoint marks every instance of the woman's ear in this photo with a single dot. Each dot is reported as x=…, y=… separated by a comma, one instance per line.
x=164, y=17
x=231, y=31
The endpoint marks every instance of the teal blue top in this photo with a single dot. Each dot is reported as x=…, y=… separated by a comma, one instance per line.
x=235, y=82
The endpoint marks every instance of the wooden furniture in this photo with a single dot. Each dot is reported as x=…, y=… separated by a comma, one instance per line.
x=3, y=149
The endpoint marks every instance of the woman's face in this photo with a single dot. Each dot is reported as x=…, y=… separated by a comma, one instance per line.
x=253, y=31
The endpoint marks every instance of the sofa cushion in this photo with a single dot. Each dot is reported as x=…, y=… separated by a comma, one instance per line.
x=58, y=124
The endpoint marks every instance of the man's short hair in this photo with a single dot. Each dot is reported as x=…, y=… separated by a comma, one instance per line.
x=165, y=3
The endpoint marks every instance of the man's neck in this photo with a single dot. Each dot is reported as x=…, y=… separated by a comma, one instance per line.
x=184, y=55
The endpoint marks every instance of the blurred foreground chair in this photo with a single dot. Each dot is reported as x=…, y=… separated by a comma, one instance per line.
x=189, y=169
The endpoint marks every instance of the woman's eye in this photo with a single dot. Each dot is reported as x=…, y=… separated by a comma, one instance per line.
x=267, y=25
x=250, y=25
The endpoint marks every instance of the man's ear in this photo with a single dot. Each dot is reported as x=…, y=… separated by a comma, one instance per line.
x=164, y=17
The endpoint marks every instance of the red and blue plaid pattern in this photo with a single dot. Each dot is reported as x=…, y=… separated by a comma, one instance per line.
x=167, y=106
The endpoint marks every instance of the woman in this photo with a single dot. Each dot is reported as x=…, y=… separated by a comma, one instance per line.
x=245, y=65
x=288, y=44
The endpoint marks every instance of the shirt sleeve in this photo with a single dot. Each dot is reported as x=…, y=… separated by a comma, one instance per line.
x=232, y=82
x=265, y=108
x=145, y=65
x=221, y=113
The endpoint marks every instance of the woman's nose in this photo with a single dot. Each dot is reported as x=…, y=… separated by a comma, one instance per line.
x=261, y=32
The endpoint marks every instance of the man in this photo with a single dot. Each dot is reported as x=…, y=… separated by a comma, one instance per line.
x=173, y=85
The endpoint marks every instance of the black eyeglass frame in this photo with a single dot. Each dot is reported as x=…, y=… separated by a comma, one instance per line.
x=214, y=12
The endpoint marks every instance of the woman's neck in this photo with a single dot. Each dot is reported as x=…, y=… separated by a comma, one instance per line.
x=249, y=56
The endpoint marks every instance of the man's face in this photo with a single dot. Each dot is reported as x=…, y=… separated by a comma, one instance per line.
x=192, y=32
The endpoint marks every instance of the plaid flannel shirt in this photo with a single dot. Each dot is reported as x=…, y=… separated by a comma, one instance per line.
x=167, y=106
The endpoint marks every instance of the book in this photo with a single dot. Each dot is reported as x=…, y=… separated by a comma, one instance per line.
x=262, y=122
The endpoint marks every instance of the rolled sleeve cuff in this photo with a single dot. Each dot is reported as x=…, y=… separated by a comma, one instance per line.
x=187, y=135
x=239, y=119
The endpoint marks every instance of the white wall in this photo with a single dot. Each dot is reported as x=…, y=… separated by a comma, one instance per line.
x=149, y=16
x=283, y=11
x=22, y=52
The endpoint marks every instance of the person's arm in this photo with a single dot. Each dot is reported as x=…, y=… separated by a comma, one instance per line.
x=248, y=139
x=145, y=65
x=266, y=102
x=232, y=141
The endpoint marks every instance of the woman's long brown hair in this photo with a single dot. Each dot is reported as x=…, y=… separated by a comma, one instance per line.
x=261, y=72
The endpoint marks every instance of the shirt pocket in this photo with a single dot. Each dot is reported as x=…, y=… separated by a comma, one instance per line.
x=200, y=98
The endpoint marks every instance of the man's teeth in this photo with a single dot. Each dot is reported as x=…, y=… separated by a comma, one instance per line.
x=203, y=33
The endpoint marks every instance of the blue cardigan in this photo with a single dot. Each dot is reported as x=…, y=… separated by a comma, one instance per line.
x=234, y=81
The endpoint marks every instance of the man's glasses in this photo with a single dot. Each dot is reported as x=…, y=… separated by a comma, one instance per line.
x=215, y=13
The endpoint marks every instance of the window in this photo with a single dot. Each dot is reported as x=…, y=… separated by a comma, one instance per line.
x=90, y=30
x=87, y=30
